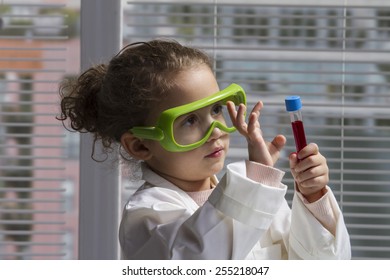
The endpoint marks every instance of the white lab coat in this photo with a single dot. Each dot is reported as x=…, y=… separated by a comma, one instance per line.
x=242, y=219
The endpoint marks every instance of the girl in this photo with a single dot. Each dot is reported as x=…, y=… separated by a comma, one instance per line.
x=161, y=102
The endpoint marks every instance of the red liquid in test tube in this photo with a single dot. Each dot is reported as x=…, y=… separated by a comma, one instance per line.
x=294, y=107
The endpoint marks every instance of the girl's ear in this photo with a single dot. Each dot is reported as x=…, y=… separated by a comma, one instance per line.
x=135, y=147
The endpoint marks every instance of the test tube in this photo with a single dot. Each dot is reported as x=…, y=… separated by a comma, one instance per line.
x=294, y=107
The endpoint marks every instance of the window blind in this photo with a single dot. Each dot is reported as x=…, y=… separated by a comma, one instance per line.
x=334, y=55
x=38, y=182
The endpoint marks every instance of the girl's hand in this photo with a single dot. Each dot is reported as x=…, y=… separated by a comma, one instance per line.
x=260, y=151
x=311, y=172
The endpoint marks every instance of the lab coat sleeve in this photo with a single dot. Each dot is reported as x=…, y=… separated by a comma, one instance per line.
x=161, y=227
x=252, y=206
x=309, y=239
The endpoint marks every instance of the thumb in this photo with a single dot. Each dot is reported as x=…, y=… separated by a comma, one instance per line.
x=276, y=146
x=279, y=141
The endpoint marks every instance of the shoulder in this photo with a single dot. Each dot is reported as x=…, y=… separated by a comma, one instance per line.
x=149, y=209
x=160, y=204
x=149, y=196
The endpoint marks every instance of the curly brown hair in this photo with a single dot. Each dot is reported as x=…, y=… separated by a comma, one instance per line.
x=109, y=99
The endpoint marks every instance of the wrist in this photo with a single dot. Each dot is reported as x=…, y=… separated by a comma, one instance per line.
x=255, y=155
x=264, y=174
x=313, y=197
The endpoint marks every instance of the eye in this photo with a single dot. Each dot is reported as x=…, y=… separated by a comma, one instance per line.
x=217, y=109
x=190, y=120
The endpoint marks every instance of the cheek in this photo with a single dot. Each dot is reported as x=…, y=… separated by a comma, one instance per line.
x=186, y=162
x=179, y=165
x=168, y=159
x=184, y=158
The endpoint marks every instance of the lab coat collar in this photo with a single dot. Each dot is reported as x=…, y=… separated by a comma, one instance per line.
x=154, y=180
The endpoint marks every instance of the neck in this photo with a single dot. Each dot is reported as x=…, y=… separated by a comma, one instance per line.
x=187, y=185
x=191, y=186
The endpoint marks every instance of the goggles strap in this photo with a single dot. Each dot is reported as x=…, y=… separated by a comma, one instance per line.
x=151, y=133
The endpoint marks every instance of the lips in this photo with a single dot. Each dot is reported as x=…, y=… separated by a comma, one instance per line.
x=216, y=153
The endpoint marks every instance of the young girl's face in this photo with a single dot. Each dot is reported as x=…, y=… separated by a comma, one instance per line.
x=191, y=169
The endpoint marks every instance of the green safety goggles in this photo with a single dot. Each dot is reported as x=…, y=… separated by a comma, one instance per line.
x=189, y=126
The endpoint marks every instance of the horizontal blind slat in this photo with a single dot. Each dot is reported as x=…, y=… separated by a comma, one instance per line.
x=369, y=237
x=265, y=38
x=32, y=190
x=37, y=49
x=38, y=5
x=35, y=157
x=275, y=4
x=23, y=146
x=31, y=168
x=34, y=37
x=367, y=215
x=30, y=179
x=369, y=226
x=31, y=200
x=32, y=222
x=30, y=255
x=34, y=135
x=2, y=243
x=22, y=211
x=30, y=124
x=32, y=232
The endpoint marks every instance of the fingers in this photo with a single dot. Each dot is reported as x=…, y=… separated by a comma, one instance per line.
x=309, y=168
x=238, y=116
x=255, y=113
x=259, y=150
x=313, y=177
x=309, y=157
x=240, y=119
x=310, y=149
x=293, y=162
x=232, y=111
x=253, y=121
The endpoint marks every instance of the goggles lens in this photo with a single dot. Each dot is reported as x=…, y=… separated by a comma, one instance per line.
x=192, y=127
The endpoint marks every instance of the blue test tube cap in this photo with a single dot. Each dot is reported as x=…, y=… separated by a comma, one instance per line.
x=293, y=103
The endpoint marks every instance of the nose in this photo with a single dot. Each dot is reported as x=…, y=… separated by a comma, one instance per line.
x=215, y=134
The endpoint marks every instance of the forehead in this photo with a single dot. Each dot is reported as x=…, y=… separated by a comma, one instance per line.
x=191, y=85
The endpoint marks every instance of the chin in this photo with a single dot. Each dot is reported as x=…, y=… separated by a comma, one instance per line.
x=216, y=168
